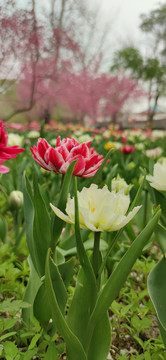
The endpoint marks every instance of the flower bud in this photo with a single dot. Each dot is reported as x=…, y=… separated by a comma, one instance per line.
x=131, y=165
x=15, y=200
x=119, y=185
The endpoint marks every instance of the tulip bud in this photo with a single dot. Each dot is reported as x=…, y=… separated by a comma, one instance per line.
x=131, y=166
x=16, y=200
x=120, y=185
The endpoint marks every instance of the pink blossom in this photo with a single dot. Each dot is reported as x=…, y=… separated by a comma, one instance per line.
x=6, y=152
x=59, y=158
x=127, y=149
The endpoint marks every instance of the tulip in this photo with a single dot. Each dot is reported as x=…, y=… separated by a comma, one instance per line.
x=15, y=139
x=15, y=200
x=158, y=180
x=99, y=209
x=119, y=185
x=6, y=152
x=154, y=153
x=127, y=149
x=59, y=158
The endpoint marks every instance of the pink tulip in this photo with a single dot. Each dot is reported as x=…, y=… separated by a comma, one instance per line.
x=59, y=158
x=127, y=149
x=6, y=152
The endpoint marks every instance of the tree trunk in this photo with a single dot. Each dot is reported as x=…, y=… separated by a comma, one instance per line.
x=152, y=113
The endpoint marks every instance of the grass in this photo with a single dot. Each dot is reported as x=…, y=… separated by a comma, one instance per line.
x=135, y=333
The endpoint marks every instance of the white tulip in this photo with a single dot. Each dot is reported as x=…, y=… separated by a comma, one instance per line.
x=99, y=209
x=120, y=185
x=158, y=180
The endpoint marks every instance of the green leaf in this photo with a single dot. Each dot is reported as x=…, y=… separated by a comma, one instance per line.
x=57, y=223
x=29, y=219
x=163, y=333
x=101, y=340
x=67, y=271
x=31, y=291
x=75, y=350
x=10, y=350
x=3, y=228
x=157, y=290
x=15, y=305
x=29, y=354
x=37, y=224
x=119, y=275
x=41, y=308
x=112, y=174
x=58, y=286
x=160, y=199
x=41, y=228
x=6, y=336
x=160, y=232
x=34, y=340
x=9, y=323
x=51, y=353
x=81, y=306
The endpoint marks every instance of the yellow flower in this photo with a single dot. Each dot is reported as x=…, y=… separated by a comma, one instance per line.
x=99, y=209
x=109, y=146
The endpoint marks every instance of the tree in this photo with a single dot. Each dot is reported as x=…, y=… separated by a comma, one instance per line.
x=151, y=69
x=50, y=44
x=95, y=96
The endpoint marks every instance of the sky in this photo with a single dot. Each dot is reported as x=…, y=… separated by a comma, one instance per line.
x=124, y=15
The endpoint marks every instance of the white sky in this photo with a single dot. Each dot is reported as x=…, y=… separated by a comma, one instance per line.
x=125, y=17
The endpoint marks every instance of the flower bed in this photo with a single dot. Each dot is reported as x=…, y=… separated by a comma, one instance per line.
x=74, y=274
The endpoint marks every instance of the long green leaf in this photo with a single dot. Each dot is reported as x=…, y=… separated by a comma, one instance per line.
x=37, y=223
x=51, y=353
x=101, y=340
x=41, y=228
x=80, y=307
x=29, y=219
x=30, y=293
x=160, y=232
x=163, y=333
x=75, y=350
x=119, y=275
x=157, y=290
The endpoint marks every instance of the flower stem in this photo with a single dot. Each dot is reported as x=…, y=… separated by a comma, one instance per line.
x=115, y=239
x=96, y=253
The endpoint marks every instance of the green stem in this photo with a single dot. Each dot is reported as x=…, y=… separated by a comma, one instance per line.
x=96, y=253
x=145, y=208
x=62, y=180
x=115, y=239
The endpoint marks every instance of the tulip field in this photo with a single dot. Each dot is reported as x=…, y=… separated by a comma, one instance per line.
x=82, y=243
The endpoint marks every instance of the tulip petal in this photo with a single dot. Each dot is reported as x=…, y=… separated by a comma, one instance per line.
x=4, y=169
x=61, y=215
